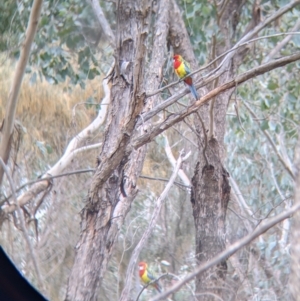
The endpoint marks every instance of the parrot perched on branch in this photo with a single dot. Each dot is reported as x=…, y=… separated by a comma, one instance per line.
x=147, y=277
x=182, y=69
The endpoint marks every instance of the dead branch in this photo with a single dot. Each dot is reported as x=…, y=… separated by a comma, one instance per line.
x=180, y=185
x=103, y=22
x=9, y=121
x=172, y=160
x=73, y=147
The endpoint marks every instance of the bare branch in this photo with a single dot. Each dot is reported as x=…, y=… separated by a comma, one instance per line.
x=74, y=172
x=242, y=202
x=177, y=117
x=172, y=160
x=73, y=147
x=280, y=45
x=9, y=120
x=103, y=22
x=264, y=226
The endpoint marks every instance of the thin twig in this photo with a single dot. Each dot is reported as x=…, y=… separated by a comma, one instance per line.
x=165, y=180
x=22, y=223
x=49, y=177
x=150, y=283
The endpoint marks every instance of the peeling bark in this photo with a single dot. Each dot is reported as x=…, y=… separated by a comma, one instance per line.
x=211, y=190
x=113, y=185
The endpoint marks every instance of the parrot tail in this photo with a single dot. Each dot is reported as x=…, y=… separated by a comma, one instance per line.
x=194, y=91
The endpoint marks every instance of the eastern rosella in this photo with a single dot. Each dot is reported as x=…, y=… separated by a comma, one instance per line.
x=182, y=69
x=146, y=275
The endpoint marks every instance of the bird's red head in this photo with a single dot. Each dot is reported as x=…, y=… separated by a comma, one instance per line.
x=177, y=57
x=142, y=267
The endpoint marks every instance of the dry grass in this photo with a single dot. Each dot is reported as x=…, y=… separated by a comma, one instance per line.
x=46, y=111
x=46, y=114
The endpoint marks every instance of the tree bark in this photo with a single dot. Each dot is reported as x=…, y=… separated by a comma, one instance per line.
x=154, y=78
x=113, y=185
x=211, y=190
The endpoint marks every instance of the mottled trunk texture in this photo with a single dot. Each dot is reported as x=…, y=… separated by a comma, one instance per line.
x=113, y=185
x=211, y=189
x=154, y=76
x=211, y=192
x=210, y=197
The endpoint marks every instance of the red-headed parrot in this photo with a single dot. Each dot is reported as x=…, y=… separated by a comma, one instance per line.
x=182, y=69
x=146, y=276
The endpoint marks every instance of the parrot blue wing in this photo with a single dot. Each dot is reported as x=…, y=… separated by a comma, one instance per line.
x=187, y=67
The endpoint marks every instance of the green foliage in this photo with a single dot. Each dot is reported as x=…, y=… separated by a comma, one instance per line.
x=65, y=43
x=11, y=26
x=200, y=19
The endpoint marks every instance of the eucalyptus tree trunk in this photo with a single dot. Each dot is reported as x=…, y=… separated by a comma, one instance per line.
x=210, y=183
x=113, y=185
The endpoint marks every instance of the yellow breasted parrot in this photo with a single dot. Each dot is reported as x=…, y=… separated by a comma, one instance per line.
x=146, y=276
x=182, y=69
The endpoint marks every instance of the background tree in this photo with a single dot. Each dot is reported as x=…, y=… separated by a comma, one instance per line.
x=242, y=133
